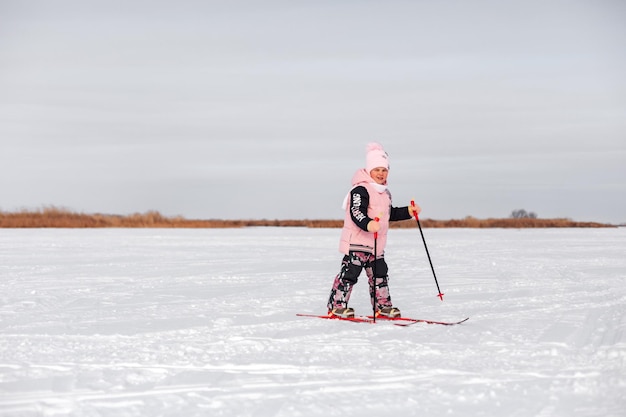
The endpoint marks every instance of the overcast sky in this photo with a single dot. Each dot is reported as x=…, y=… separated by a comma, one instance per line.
x=262, y=109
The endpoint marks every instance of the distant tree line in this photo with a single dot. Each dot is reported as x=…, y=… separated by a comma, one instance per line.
x=523, y=214
x=64, y=218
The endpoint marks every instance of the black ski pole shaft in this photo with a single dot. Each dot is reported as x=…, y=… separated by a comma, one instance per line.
x=440, y=295
x=373, y=288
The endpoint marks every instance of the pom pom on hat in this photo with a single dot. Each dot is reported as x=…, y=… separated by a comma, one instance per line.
x=375, y=157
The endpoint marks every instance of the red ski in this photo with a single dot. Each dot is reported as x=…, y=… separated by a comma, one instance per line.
x=403, y=321
x=357, y=319
x=406, y=321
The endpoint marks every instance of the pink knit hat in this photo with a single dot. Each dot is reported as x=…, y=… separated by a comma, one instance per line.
x=375, y=157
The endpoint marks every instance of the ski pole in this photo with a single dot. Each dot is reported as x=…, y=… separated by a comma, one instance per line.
x=440, y=295
x=373, y=289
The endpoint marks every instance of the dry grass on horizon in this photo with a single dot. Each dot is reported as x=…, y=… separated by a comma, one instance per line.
x=52, y=217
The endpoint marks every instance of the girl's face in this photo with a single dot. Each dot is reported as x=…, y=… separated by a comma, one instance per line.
x=379, y=175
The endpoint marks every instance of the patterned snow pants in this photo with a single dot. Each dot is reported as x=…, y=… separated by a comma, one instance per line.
x=351, y=267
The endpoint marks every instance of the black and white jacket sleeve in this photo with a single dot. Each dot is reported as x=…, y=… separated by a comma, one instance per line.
x=359, y=201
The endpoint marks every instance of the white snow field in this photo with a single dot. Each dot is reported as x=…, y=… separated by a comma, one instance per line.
x=202, y=322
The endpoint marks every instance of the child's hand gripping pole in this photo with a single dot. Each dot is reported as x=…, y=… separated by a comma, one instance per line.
x=440, y=295
x=414, y=210
x=376, y=219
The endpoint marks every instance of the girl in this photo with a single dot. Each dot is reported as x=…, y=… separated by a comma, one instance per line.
x=368, y=211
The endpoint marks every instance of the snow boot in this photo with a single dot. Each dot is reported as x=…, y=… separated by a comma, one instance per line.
x=390, y=312
x=342, y=312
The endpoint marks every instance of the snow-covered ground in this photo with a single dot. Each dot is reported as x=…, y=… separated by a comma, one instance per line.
x=155, y=322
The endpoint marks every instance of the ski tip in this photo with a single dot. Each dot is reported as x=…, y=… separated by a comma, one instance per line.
x=444, y=323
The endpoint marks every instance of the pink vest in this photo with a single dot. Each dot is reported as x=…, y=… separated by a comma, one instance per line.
x=352, y=236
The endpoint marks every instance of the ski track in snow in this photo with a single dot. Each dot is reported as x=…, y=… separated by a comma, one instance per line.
x=156, y=322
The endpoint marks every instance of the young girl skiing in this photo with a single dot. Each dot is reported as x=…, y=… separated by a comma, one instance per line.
x=368, y=211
